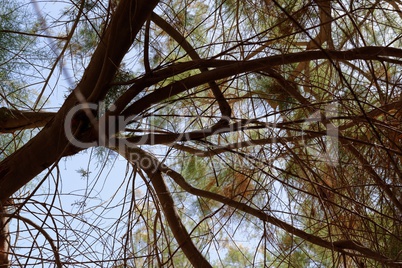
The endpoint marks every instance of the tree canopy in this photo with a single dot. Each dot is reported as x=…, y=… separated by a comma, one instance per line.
x=201, y=133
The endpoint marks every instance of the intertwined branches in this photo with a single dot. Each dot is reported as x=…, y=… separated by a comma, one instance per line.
x=235, y=133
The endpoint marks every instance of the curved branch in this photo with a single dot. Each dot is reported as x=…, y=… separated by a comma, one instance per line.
x=138, y=157
x=157, y=168
x=43, y=232
x=181, y=40
x=339, y=246
x=27, y=162
x=228, y=68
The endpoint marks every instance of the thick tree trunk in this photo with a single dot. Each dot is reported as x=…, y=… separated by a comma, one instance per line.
x=51, y=143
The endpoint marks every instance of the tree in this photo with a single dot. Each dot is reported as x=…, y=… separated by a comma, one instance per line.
x=17, y=47
x=263, y=133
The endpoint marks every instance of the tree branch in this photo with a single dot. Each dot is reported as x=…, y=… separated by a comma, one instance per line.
x=337, y=246
x=138, y=157
x=12, y=120
x=23, y=165
x=181, y=40
x=228, y=68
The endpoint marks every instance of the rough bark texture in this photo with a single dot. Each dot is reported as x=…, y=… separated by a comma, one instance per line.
x=22, y=166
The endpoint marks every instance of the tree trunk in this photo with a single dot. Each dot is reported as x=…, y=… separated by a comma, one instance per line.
x=4, y=237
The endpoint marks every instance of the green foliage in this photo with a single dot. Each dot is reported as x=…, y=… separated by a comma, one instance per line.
x=13, y=44
x=89, y=31
x=269, y=166
x=237, y=257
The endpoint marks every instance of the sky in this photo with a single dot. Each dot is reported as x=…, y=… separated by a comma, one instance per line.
x=85, y=197
x=88, y=188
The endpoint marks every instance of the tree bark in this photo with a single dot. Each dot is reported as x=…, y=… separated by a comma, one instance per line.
x=152, y=167
x=23, y=165
x=4, y=236
x=12, y=120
